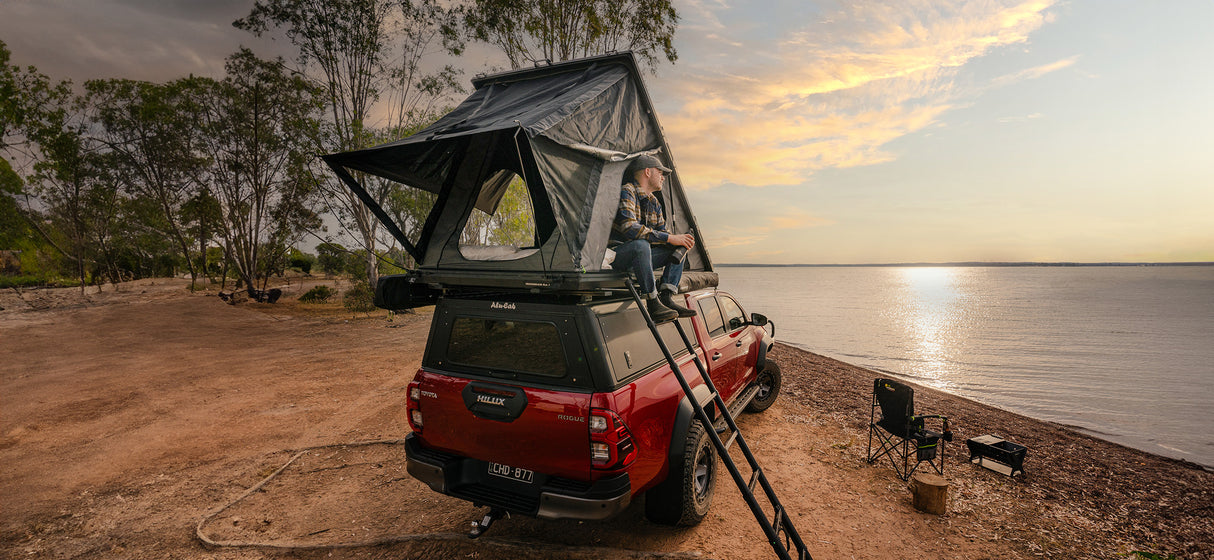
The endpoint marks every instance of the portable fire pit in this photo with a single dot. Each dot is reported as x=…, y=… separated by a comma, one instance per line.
x=997, y=454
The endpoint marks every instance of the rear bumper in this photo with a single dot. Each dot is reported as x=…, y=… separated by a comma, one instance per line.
x=548, y=497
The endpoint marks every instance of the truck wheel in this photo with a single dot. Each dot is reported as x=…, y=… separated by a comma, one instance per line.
x=769, y=387
x=686, y=494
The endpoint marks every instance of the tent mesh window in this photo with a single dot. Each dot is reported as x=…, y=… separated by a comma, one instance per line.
x=509, y=233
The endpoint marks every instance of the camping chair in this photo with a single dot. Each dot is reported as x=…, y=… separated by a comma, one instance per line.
x=899, y=426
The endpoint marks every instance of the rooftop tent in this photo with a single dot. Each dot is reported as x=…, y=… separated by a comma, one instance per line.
x=568, y=130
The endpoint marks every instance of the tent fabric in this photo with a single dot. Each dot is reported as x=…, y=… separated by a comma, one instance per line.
x=568, y=130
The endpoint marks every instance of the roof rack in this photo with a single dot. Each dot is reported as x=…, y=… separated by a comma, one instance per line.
x=420, y=288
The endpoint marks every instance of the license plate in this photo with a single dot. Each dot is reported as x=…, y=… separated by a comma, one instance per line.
x=512, y=473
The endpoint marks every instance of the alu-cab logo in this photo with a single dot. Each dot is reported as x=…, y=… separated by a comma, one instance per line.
x=502, y=305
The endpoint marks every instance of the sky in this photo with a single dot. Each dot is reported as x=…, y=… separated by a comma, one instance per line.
x=849, y=132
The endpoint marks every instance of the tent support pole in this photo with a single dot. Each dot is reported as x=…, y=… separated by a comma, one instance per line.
x=376, y=209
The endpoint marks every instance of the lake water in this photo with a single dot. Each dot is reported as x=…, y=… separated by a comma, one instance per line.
x=1124, y=353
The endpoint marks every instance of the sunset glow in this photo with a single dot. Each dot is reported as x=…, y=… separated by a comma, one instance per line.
x=873, y=131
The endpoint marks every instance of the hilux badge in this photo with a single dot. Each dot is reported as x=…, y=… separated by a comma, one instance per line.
x=499, y=401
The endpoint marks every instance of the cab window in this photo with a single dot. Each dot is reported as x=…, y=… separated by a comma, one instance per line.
x=712, y=316
x=735, y=318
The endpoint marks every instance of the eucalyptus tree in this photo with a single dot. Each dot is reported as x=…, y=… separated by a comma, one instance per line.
x=13, y=227
x=536, y=31
x=260, y=125
x=110, y=226
x=202, y=216
x=66, y=172
x=152, y=132
x=366, y=56
x=33, y=110
x=31, y=105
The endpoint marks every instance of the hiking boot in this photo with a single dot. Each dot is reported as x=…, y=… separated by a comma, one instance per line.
x=667, y=299
x=661, y=313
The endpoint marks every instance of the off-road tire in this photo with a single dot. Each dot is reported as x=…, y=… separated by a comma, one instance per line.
x=686, y=495
x=769, y=381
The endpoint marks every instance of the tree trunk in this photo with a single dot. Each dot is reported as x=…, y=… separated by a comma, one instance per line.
x=929, y=493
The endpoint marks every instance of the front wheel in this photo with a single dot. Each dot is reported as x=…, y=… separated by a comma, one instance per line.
x=769, y=382
x=685, y=496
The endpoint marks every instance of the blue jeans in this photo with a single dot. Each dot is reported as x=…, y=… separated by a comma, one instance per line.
x=641, y=259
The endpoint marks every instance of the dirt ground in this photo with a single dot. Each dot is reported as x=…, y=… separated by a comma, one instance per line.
x=134, y=422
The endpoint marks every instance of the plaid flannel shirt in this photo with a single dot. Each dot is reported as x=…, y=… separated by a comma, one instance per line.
x=639, y=217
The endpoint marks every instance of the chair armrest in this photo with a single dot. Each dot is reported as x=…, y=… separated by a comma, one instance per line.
x=918, y=420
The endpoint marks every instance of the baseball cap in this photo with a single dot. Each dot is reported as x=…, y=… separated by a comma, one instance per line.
x=647, y=161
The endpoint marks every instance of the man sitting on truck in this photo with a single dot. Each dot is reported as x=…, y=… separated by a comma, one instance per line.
x=642, y=243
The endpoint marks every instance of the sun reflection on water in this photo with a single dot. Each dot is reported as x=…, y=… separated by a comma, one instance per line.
x=930, y=314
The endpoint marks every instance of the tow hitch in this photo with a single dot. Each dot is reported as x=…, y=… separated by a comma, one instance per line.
x=479, y=527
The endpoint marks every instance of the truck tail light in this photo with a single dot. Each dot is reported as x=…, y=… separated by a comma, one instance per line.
x=611, y=444
x=413, y=406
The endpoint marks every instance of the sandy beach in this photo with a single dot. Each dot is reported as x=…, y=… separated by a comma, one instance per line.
x=134, y=421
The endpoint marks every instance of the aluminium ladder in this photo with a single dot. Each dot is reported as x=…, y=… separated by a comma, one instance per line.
x=780, y=525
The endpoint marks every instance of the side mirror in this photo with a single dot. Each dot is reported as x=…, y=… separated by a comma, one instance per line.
x=758, y=319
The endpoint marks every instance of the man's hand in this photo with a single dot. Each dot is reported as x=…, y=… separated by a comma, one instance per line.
x=682, y=240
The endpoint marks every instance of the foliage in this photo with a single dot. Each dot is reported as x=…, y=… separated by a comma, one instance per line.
x=201, y=215
x=512, y=222
x=318, y=294
x=30, y=103
x=356, y=265
x=132, y=178
x=20, y=281
x=534, y=31
x=259, y=124
x=30, y=280
x=13, y=226
x=152, y=136
x=394, y=261
x=301, y=261
x=331, y=257
x=72, y=179
x=217, y=262
x=360, y=52
x=359, y=298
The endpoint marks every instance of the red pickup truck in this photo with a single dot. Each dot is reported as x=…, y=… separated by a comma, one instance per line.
x=566, y=408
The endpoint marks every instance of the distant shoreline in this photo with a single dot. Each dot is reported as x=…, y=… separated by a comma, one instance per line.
x=963, y=264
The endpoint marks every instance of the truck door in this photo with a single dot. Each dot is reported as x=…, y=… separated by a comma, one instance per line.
x=719, y=349
x=741, y=340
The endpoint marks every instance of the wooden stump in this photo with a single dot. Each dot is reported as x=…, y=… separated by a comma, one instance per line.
x=929, y=493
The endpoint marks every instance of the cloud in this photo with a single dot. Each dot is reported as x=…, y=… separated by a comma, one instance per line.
x=1033, y=73
x=139, y=39
x=1024, y=118
x=764, y=222
x=834, y=90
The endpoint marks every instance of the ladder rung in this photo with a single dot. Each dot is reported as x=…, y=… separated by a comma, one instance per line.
x=775, y=524
x=754, y=477
x=729, y=443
